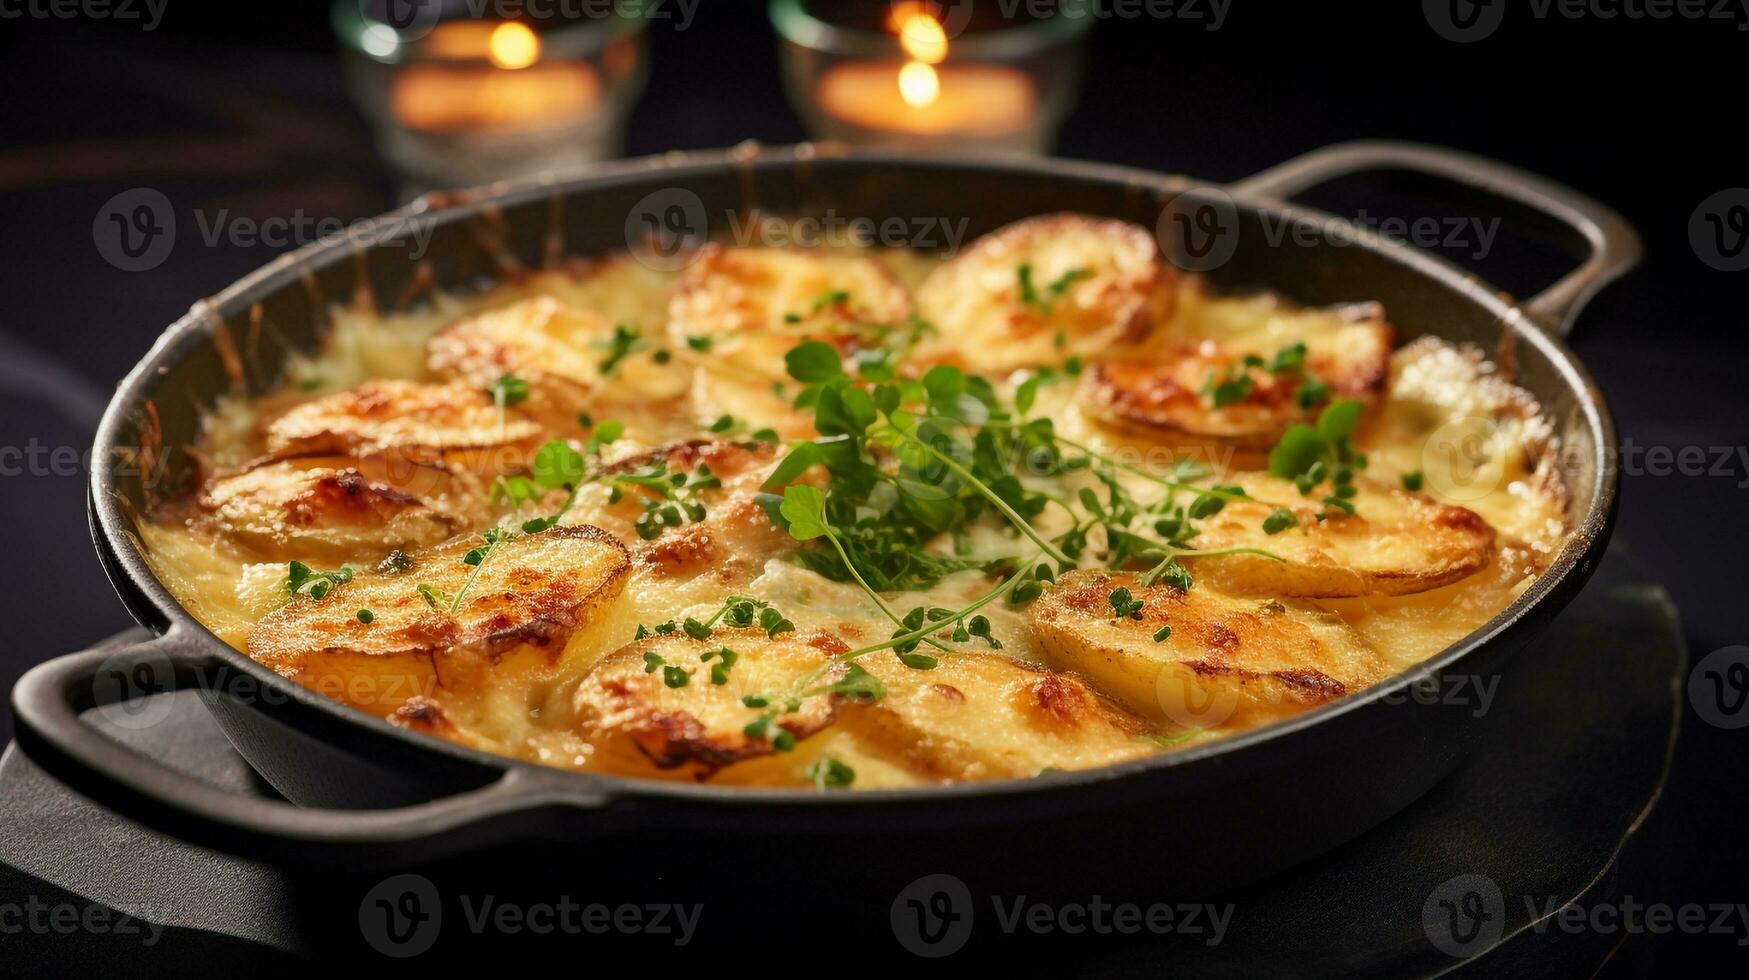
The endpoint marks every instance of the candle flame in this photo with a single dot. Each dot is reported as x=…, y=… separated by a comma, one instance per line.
x=920, y=34
x=514, y=45
x=918, y=84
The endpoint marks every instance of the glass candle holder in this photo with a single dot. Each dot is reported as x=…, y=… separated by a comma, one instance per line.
x=942, y=77
x=457, y=101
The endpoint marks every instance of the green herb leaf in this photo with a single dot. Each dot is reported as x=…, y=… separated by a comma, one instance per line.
x=828, y=773
x=508, y=390
x=804, y=506
x=813, y=362
x=1279, y=520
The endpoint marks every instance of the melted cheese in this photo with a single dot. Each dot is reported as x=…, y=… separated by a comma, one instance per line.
x=1480, y=444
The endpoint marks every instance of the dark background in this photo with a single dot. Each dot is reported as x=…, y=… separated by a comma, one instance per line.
x=241, y=107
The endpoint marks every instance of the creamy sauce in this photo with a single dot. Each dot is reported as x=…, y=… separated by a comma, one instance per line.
x=1477, y=442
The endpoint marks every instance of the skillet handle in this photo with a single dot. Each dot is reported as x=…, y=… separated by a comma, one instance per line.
x=49, y=700
x=1612, y=247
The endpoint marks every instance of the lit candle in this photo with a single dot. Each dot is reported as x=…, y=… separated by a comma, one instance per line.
x=918, y=95
x=497, y=82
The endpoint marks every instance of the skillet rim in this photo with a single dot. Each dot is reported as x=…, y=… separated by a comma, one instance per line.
x=152, y=604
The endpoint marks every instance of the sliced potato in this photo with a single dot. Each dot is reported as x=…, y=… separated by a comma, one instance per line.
x=326, y=510
x=748, y=306
x=1166, y=389
x=1166, y=400
x=526, y=600
x=735, y=537
x=409, y=424
x=618, y=287
x=986, y=716
x=642, y=723
x=565, y=354
x=1093, y=284
x=1395, y=543
x=1226, y=660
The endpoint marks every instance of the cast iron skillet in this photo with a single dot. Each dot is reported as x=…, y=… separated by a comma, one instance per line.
x=363, y=791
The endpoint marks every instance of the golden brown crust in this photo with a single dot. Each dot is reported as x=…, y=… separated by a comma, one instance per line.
x=1114, y=289
x=533, y=591
x=1164, y=390
x=1225, y=658
x=1395, y=543
x=532, y=660
x=752, y=305
x=303, y=509
x=563, y=353
x=987, y=716
x=700, y=727
x=454, y=425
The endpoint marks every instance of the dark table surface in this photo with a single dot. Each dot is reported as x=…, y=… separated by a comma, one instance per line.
x=245, y=114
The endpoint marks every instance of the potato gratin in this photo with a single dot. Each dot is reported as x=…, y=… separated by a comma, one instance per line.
x=860, y=518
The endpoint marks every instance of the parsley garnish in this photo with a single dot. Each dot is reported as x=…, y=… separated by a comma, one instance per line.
x=1030, y=294
x=508, y=390
x=1311, y=455
x=301, y=580
x=828, y=773
x=626, y=340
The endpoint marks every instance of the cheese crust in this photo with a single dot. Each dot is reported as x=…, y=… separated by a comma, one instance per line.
x=548, y=520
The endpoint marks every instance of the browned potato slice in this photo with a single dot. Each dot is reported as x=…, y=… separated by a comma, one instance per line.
x=409, y=423
x=736, y=536
x=1163, y=390
x=1396, y=542
x=565, y=355
x=986, y=716
x=325, y=510
x=751, y=305
x=1094, y=284
x=1226, y=660
x=1164, y=400
x=643, y=725
x=527, y=599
